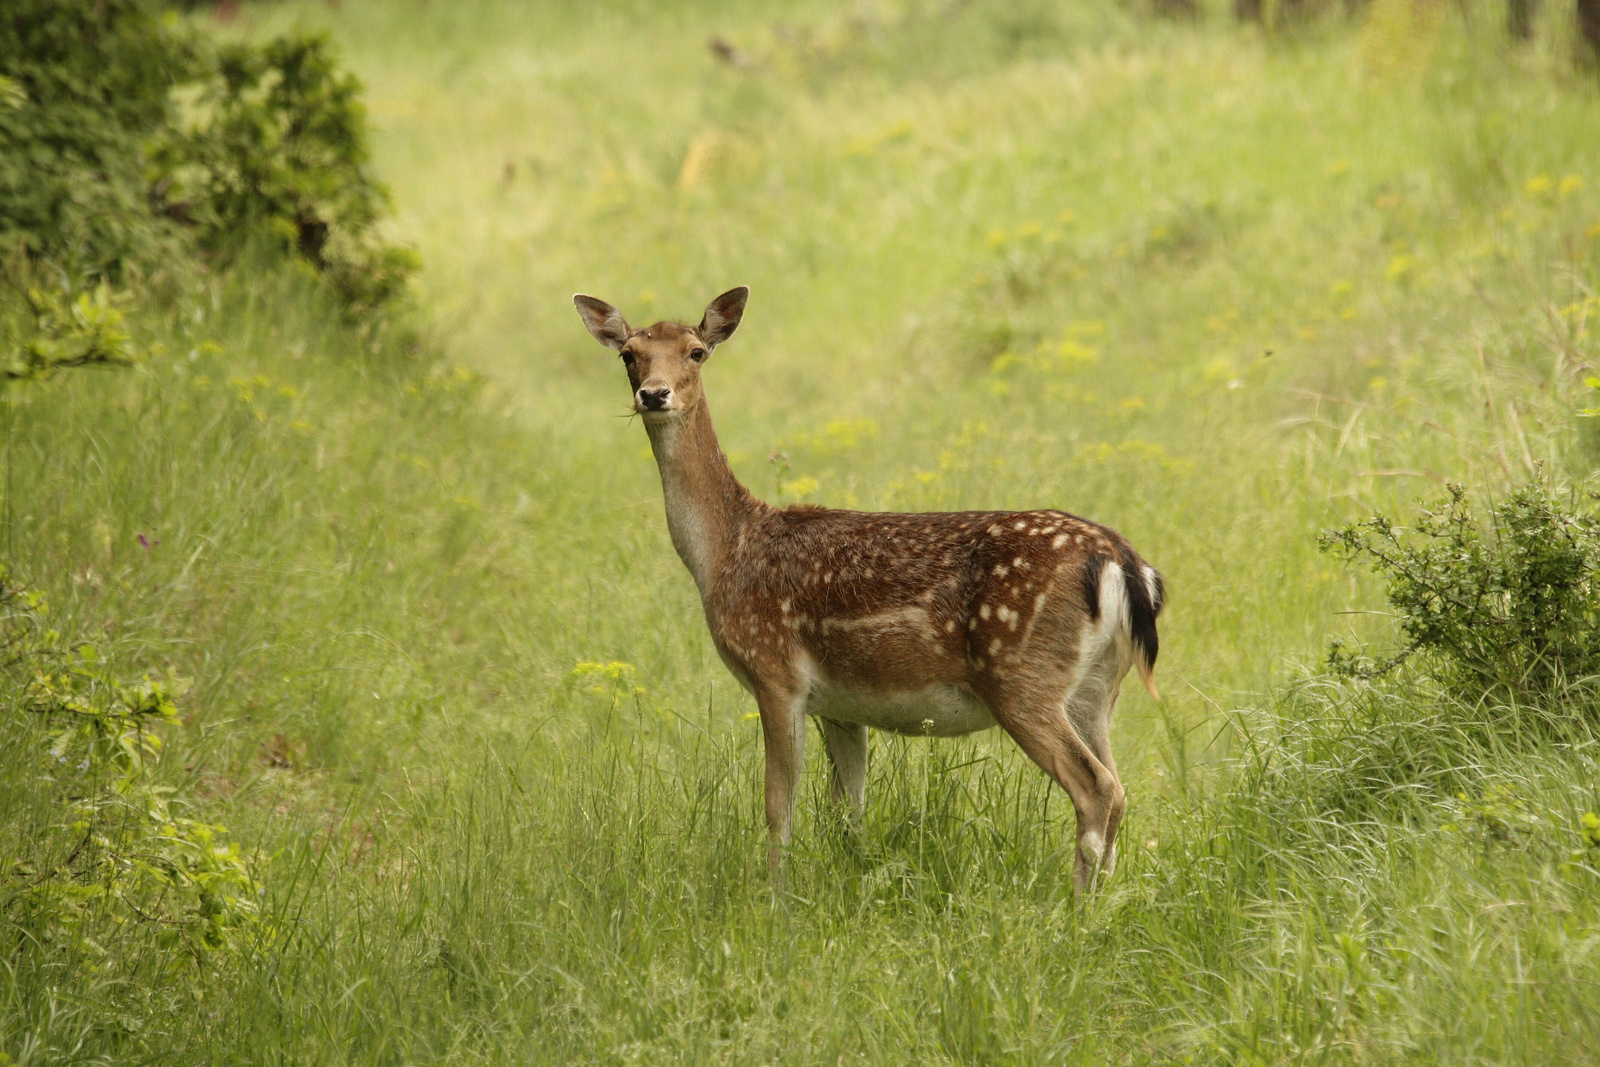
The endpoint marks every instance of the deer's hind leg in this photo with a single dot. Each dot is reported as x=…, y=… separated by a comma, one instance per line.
x=1090, y=705
x=1033, y=712
x=847, y=751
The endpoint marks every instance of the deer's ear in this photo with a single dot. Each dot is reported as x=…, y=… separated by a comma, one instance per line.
x=722, y=316
x=604, y=321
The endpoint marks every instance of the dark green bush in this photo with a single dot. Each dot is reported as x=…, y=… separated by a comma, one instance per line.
x=91, y=86
x=128, y=141
x=1507, y=608
x=275, y=149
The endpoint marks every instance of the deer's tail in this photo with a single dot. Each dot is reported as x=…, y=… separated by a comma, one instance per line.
x=1137, y=608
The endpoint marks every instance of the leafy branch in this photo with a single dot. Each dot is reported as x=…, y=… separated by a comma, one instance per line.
x=69, y=332
x=117, y=846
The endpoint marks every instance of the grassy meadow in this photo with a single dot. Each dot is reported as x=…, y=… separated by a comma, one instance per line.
x=444, y=679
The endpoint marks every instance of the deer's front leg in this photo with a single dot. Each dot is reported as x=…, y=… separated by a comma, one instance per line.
x=783, y=735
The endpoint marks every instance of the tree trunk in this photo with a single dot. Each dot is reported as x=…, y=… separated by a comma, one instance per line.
x=1589, y=29
x=1247, y=10
x=1519, y=18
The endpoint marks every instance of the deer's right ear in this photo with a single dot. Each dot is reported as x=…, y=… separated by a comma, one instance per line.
x=604, y=321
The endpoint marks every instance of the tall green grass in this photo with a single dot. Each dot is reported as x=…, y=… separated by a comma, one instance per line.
x=1215, y=289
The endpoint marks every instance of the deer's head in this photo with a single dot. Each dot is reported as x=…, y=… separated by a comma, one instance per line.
x=663, y=361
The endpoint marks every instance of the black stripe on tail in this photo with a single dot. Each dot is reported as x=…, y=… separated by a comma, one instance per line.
x=1143, y=608
x=1091, y=584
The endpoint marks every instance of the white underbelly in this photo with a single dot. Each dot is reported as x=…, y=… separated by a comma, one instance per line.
x=937, y=711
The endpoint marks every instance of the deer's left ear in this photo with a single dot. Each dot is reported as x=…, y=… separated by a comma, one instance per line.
x=722, y=316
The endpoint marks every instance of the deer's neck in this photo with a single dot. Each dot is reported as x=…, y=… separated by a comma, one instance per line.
x=706, y=505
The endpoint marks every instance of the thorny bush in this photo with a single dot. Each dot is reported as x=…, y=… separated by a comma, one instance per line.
x=1507, y=607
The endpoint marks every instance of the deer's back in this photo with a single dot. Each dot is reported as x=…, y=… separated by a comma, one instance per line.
x=892, y=603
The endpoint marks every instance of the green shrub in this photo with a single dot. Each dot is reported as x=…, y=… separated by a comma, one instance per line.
x=1508, y=608
x=89, y=87
x=128, y=142
x=103, y=843
x=275, y=148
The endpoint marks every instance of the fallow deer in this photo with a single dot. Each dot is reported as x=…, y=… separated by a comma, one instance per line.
x=939, y=624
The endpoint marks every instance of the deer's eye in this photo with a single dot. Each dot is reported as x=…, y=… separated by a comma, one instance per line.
x=627, y=359
x=698, y=355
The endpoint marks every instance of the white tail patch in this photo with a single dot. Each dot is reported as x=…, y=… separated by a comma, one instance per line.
x=1115, y=619
x=1116, y=616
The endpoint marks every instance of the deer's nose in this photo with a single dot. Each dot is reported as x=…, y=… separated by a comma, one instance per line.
x=654, y=399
